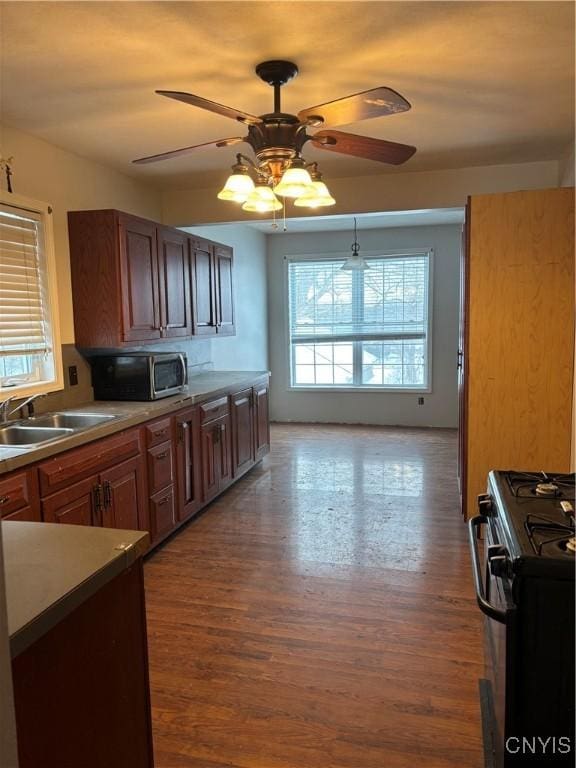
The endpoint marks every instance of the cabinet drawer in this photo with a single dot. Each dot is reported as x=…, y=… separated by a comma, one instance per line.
x=157, y=432
x=214, y=409
x=162, y=512
x=160, y=467
x=73, y=465
x=17, y=491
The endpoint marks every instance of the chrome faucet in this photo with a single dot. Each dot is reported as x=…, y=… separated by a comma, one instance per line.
x=5, y=412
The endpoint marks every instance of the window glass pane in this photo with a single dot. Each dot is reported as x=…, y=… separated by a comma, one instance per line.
x=383, y=312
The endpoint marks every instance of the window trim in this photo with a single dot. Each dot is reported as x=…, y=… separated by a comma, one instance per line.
x=44, y=210
x=291, y=258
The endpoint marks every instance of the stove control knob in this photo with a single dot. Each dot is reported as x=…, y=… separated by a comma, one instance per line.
x=485, y=504
x=499, y=565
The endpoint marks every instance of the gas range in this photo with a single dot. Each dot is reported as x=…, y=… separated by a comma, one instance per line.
x=522, y=546
x=533, y=517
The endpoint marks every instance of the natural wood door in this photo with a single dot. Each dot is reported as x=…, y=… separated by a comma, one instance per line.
x=262, y=421
x=139, y=275
x=223, y=264
x=242, y=431
x=162, y=513
x=160, y=467
x=123, y=496
x=19, y=496
x=174, y=283
x=203, y=293
x=188, y=464
x=79, y=504
x=224, y=445
x=209, y=436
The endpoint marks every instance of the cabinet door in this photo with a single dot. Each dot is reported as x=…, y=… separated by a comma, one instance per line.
x=139, y=271
x=79, y=504
x=19, y=496
x=224, y=446
x=208, y=441
x=174, y=284
x=124, y=502
x=188, y=465
x=261, y=421
x=242, y=431
x=224, y=290
x=203, y=293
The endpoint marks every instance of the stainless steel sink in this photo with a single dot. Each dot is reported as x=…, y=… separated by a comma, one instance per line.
x=26, y=437
x=74, y=420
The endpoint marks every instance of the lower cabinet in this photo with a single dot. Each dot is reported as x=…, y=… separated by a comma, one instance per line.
x=243, y=448
x=188, y=464
x=216, y=450
x=113, y=499
x=152, y=477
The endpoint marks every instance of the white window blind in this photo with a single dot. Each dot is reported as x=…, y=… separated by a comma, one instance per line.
x=23, y=327
x=360, y=328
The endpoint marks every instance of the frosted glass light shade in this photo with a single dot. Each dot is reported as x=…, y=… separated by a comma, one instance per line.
x=237, y=188
x=355, y=262
x=262, y=200
x=295, y=182
x=316, y=199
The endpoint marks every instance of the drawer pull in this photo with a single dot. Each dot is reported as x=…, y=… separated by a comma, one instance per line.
x=4, y=499
x=162, y=455
x=164, y=501
x=160, y=433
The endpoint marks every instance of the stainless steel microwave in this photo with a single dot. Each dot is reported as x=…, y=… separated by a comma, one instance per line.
x=138, y=375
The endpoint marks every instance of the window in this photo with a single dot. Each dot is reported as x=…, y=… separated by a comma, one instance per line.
x=366, y=328
x=29, y=343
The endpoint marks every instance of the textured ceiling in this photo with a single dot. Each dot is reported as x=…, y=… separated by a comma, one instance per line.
x=489, y=82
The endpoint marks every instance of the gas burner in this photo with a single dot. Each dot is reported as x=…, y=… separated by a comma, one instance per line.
x=546, y=489
x=541, y=485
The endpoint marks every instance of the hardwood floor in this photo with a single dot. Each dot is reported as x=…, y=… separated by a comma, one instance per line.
x=320, y=614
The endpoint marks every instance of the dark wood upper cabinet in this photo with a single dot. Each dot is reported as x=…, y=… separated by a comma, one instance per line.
x=174, y=283
x=203, y=285
x=139, y=280
x=223, y=261
x=135, y=281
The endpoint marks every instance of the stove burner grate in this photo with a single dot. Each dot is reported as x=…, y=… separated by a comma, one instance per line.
x=562, y=534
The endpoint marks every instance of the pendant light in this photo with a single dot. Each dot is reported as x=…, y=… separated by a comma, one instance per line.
x=262, y=199
x=295, y=181
x=320, y=196
x=355, y=262
x=239, y=184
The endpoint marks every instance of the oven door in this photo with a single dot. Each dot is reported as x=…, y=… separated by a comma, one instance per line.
x=168, y=375
x=494, y=597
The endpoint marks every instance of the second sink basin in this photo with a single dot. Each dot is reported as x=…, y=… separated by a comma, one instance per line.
x=71, y=420
x=25, y=437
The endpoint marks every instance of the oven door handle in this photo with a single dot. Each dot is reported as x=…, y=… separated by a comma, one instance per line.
x=485, y=606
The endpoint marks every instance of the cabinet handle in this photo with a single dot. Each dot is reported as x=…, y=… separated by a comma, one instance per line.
x=96, y=495
x=222, y=428
x=4, y=499
x=216, y=434
x=107, y=494
x=182, y=429
x=164, y=501
x=159, y=433
x=162, y=455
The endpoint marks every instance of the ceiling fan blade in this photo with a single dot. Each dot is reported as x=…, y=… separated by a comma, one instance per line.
x=212, y=106
x=363, y=146
x=186, y=150
x=360, y=106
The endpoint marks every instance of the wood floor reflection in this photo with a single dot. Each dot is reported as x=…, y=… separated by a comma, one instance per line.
x=320, y=614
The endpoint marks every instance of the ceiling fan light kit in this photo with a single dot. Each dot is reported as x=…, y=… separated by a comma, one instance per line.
x=277, y=140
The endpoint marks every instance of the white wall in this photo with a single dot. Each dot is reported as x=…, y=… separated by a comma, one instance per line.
x=380, y=192
x=69, y=182
x=440, y=407
x=248, y=349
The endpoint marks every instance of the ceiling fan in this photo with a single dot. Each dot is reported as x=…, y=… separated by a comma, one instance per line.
x=277, y=138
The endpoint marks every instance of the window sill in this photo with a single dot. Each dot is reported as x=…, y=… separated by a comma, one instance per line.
x=27, y=389
x=362, y=390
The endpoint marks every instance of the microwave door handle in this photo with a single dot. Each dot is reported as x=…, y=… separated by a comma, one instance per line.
x=184, y=370
x=152, y=376
x=481, y=598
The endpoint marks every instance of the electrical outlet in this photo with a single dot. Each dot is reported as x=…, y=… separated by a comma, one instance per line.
x=73, y=375
x=420, y=401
